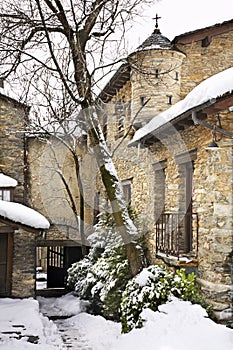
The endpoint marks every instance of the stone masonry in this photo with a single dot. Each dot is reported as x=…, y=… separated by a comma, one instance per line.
x=12, y=143
x=156, y=170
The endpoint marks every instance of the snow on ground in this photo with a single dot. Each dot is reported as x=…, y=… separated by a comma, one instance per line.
x=22, y=327
x=67, y=305
x=177, y=325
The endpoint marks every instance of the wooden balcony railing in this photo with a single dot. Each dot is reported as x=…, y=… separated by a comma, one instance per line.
x=177, y=234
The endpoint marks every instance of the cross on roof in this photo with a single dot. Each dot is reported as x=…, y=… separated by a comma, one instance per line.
x=157, y=18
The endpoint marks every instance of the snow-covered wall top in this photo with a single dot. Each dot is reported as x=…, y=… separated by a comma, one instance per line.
x=19, y=213
x=208, y=90
x=7, y=181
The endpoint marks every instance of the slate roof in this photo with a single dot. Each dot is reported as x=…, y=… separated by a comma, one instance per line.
x=156, y=41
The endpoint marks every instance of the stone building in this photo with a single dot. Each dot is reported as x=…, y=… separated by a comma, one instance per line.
x=163, y=108
x=19, y=225
x=158, y=122
x=24, y=245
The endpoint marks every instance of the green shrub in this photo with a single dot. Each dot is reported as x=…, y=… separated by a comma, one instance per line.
x=103, y=274
x=153, y=287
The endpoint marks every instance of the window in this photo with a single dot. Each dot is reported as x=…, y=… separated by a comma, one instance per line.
x=169, y=99
x=6, y=194
x=185, y=162
x=126, y=186
x=121, y=122
x=177, y=76
x=156, y=73
x=142, y=100
x=206, y=41
x=159, y=188
x=120, y=111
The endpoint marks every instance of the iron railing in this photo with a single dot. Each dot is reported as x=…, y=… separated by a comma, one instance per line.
x=177, y=234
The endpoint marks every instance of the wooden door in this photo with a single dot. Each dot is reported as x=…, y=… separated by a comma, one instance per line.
x=5, y=263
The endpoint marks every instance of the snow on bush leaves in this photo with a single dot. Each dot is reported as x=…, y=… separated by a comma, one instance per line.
x=151, y=288
x=103, y=274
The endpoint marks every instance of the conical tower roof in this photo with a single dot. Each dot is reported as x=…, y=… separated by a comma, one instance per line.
x=156, y=41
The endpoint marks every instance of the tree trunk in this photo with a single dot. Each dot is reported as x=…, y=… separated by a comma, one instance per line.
x=124, y=224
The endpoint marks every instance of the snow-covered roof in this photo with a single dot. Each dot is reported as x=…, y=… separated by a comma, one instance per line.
x=7, y=181
x=156, y=41
x=207, y=91
x=21, y=214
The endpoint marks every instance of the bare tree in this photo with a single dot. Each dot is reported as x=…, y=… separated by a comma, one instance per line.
x=58, y=50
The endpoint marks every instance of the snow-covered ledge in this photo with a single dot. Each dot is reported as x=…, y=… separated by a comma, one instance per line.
x=21, y=214
x=206, y=92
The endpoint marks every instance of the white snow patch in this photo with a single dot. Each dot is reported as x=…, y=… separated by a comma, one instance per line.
x=100, y=333
x=143, y=277
x=67, y=305
x=21, y=214
x=178, y=325
x=7, y=181
x=211, y=88
x=20, y=319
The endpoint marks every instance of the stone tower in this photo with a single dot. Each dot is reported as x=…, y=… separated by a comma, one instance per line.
x=155, y=75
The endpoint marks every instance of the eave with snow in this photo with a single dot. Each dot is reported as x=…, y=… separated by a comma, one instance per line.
x=7, y=181
x=210, y=96
x=19, y=214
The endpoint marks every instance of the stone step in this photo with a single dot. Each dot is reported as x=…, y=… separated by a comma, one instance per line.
x=51, y=292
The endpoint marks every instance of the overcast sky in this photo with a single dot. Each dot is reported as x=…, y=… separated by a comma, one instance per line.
x=180, y=16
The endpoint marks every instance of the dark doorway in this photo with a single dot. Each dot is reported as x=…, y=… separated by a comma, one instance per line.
x=59, y=259
x=189, y=207
x=5, y=263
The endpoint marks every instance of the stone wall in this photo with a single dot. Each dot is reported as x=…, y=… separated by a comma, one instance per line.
x=157, y=173
x=12, y=143
x=155, y=75
x=202, y=62
x=157, y=184
x=23, y=269
x=212, y=201
x=47, y=191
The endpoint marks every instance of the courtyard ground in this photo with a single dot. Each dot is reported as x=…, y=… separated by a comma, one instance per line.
x=62, y=323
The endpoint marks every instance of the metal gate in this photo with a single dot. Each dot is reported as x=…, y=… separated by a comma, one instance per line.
x=59, y=259
x=56, y=271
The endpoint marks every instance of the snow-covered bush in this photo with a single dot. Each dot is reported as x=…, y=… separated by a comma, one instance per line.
x=151, y=288
x=103, y=274
x=112, y=271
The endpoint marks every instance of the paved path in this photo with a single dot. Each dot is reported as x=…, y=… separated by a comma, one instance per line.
x=73, y=335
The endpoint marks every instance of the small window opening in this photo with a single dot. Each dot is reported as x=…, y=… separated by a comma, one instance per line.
x=121, y=121
x=127, y=190
x=206, y=41
x=143, y=100
x=169, y=99
x=177, y=76
x=157, y=73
